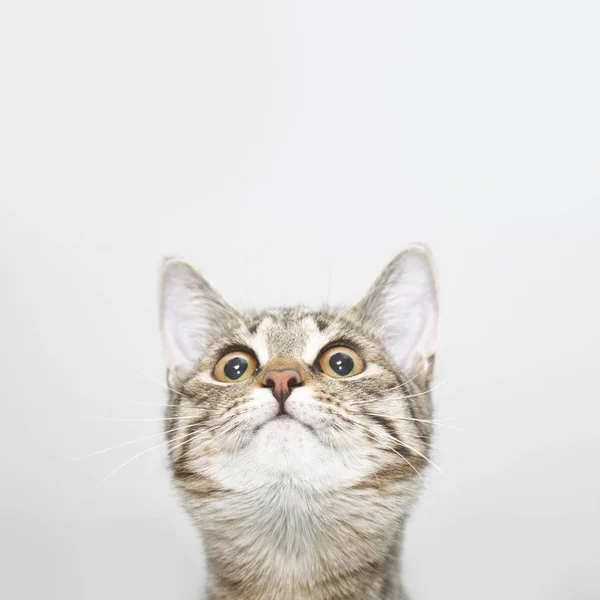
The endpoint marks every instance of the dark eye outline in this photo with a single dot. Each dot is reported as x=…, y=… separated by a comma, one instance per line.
x=340, y=346
x=229, y=353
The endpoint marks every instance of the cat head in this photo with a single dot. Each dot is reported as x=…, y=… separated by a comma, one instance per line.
x=319, y=399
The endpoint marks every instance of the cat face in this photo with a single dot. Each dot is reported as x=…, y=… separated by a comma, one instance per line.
x=315, y=400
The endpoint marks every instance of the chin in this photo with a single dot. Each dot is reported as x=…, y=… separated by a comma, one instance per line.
x=286, y=445
x=287, y=453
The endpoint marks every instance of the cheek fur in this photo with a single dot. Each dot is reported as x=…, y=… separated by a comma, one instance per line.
x=362, y=420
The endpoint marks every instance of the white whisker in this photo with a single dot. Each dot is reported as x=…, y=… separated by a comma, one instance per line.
x=154, y=380
x=354, y=444
x=435, y=387
x=212, y=439
x=131, y=419
x=437, y=423
x=122, y=445
x=416, y=376
x=187, y=436
x=398, y=453
x=436, y=467
x=401, y=397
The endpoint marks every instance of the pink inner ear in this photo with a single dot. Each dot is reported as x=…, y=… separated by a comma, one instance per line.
x=192, y=312
x=402, y=307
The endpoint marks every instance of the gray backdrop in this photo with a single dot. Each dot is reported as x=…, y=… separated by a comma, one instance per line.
x=312, y=139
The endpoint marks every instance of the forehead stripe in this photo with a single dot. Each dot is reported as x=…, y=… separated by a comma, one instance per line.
x=259, y=343
x=283, y=335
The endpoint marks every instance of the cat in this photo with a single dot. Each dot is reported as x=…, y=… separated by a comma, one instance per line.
x=298, y=438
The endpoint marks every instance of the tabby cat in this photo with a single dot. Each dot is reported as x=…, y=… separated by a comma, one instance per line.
x=298, y=437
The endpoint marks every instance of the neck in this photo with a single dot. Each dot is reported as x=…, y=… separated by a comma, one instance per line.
x=306, y=549
x=365, y=580
x=368, y=582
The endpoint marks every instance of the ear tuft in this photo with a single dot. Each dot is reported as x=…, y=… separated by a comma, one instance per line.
x=402, y=308
x=192, y=314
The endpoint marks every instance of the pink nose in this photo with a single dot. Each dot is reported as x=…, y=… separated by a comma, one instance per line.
x=281, y=383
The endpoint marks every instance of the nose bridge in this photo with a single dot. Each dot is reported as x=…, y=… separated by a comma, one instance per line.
x=282, y=363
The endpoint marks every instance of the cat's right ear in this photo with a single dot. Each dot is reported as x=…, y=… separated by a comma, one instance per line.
x=192, y=314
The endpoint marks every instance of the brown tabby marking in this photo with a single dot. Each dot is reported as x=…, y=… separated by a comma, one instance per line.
x=309, y=504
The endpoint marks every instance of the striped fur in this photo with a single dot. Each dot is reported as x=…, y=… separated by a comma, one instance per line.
x=312, y=506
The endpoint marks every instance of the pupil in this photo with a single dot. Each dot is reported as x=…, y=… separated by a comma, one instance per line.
x=341, y=363
x=236, y=367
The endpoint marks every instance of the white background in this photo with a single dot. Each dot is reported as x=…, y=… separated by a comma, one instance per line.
x=289, y=149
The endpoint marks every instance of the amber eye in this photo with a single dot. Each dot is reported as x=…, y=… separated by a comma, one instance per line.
x=341, y=361
x=235, y=367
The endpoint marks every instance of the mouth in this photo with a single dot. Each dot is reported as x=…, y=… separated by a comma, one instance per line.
x=285, y=418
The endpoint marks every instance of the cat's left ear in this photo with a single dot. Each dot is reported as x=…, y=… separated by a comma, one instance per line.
x=401, y=307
